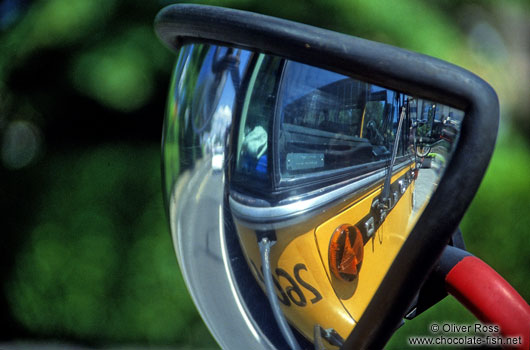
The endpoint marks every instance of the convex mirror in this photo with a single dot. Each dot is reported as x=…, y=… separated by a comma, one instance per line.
x=307, y=174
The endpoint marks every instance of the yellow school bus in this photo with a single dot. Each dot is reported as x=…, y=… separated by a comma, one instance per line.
x=325, y=165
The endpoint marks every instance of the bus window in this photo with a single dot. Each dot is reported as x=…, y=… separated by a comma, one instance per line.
x=377, y=121
x=311, y=127
x=252, y=163
x=332, y=123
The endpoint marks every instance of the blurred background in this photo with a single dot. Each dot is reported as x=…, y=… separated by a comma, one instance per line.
x=85, y=255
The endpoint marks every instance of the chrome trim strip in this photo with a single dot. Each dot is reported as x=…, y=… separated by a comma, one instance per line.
x=285, y=215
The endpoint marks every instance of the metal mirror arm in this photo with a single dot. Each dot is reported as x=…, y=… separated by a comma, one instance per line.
x=485, y=293
x=329, y=334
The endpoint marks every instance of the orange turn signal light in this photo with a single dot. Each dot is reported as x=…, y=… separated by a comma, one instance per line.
x=346, y=250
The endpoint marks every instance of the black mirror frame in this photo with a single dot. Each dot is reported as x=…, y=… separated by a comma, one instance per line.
x=390, y=67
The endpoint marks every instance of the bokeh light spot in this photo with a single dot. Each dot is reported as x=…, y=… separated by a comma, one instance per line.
x=21, y=144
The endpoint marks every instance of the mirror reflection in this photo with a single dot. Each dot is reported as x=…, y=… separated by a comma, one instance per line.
x=331, y=171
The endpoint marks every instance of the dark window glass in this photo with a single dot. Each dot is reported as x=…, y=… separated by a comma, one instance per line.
x=253, y=163
x=331, y=122
x=302, y=125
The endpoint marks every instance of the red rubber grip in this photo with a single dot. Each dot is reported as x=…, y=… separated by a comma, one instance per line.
x=490, y=298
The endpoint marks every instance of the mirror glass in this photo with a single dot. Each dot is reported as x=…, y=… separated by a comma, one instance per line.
x=334, y=170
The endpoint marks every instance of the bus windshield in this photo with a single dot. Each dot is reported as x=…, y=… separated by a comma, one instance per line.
x=302, y=124
x=334, y=126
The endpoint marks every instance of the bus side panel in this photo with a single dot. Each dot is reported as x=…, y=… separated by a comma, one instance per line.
x=305, y=295
x=379, y=251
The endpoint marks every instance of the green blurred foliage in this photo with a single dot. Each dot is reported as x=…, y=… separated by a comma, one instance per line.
x=111, y=61
x=393, y=22
x=119, y=73
x=50, y=24
x=497, y=223
x=98, y=263
x=94, y=260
